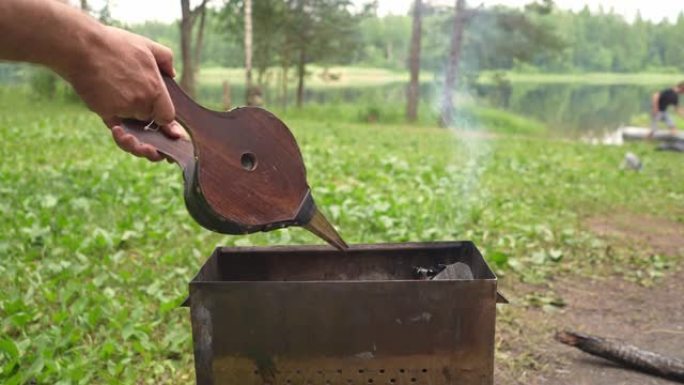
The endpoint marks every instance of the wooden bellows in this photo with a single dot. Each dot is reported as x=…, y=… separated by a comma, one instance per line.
x=243, y=169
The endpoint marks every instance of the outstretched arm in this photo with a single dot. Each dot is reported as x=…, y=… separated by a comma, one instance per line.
x=115, y=72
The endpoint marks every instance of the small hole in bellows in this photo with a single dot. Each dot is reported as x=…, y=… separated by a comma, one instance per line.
x=424, y=370
x=382, y=371
x=248, y=161
x=392, y=380
x=413, y=380
x=370, y=380
x=360, y=371
x=401, y=370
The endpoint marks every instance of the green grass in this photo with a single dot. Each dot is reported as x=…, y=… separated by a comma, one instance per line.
x=97, y=248
x=346, y=76
x=587, y=78
x=362, y=76
x=469, y=117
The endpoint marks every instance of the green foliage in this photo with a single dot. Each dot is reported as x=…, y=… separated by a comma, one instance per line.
x=540, y=39
x=219, y=48
x=604, y=42
x=385, y=41
x=46, y=85
x=544, y=7
x=504, y=38
x=167, y=34
x=270, y=24
x=43, y=82
x=320, y=31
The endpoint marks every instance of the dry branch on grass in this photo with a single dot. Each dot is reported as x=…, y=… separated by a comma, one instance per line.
x=626, y=355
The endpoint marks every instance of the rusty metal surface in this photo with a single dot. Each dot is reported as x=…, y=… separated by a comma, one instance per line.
x=312, y=315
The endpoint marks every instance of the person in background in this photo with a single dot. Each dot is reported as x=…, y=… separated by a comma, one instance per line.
x=115, y=72
x=660, y=102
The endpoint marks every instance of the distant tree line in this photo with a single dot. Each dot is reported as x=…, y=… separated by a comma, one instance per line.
x=556, y=41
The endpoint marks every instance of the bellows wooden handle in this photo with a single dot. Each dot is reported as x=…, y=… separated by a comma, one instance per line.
x=180, y=150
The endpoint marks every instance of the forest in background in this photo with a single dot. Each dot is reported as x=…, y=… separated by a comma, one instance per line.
x=546, y=40
x=582, y=41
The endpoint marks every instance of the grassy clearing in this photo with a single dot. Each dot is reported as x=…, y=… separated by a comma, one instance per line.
x=469, y=117
x=346, y=76
x=97, y=248
x=361, y=76
x=588, y=78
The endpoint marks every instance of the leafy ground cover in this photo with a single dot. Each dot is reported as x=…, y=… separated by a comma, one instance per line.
x=96, y=248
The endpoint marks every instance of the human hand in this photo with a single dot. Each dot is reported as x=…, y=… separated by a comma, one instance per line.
x=118, y=76
x=132, y=145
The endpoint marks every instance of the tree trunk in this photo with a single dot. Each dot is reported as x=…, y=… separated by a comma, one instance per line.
x=227, y=102
x=249, y=89
x=283, y=79
x=285, y=67
x=190, y=56
x=447, y=110
x=301, y=72
x=197, y=55
x=413, y=90
x=187, y=81
x=261, y=72
x=84, y=5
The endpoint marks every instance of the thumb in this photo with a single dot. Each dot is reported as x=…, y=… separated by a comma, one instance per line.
x=164, y=57
x=163, y=110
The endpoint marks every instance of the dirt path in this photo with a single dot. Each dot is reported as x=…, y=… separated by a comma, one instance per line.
x=649, y=317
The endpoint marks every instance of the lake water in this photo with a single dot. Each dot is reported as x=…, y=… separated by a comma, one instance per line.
x=567, y=109
x=573, y=109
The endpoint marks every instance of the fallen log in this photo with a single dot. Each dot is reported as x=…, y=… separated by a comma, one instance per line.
x=643, y=133
x=626, y=355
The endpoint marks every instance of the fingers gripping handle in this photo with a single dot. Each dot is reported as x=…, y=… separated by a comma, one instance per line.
x=181, y=150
